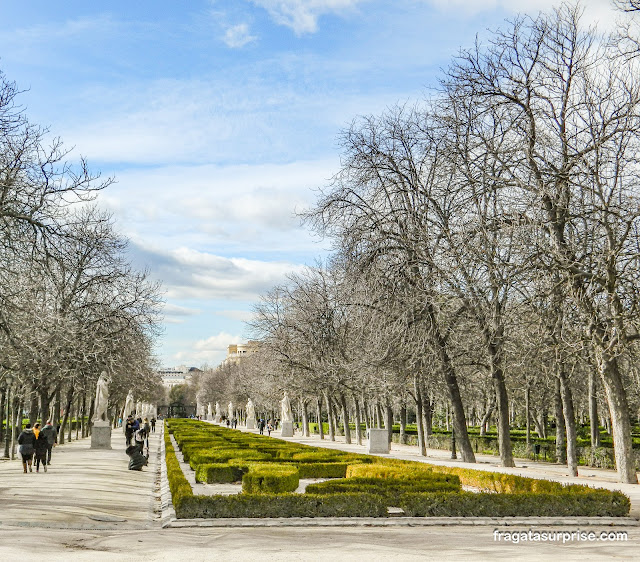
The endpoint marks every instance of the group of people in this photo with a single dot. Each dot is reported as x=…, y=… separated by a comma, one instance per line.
x=136, y=432
x=269, y=425
x=37, y=442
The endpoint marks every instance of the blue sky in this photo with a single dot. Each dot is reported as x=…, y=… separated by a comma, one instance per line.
x=219, y=118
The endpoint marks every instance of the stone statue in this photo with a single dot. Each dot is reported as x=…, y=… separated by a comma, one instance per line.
x=230, y=410
x=138, y=409
x=209, y=411
x=218, y=411
x=102, y=398
x=251, y=411
x=285, y=407
x=129, y=405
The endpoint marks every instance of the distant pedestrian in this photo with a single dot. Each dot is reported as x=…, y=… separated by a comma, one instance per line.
x=261, y=426
x=40, y=447
x=269, y=427
x=36, y=429
x=139, y=437
x=51, y=435
x=26, y=442
x=153, y=424
x=147, y=430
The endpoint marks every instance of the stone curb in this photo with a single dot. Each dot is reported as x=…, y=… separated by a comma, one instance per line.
x=408, y=522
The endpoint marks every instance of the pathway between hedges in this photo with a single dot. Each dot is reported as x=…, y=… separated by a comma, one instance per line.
x=83, y=488
x=595, y=477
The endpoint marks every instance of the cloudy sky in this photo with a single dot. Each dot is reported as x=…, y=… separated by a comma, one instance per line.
x=218, y=118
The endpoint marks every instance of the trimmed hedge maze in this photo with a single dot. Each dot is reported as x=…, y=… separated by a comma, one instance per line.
x=359, y=486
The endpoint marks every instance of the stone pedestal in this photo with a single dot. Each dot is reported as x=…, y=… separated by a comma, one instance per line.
x=378, y=441
x=101, y=435
x=216, y=419
x=287, y=429
x=251, y=423
x=209, y=417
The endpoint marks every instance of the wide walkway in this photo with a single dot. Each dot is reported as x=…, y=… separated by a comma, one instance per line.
x=83, y=488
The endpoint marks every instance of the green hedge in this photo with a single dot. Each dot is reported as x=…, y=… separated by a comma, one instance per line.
x=282, y=505
x=599, y=503
x=270, y=479
x=323, y=470
x=178, y=484
x=389, y=488
x=219, y=473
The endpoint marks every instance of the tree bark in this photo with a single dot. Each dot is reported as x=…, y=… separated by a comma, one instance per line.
x=330, y=418
x=569, y=420
x=502, y=404
x=65, y=416
x=403, y=424
x=560, y=427
x=620, y=422
x=345, y=419
x=320, y=426
x=305, y=419
x=389, y=422
x=593, y=409
x=418, y=398
x=358, y=421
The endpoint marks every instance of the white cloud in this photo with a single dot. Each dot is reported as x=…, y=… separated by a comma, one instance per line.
x=211, y=350
x=302, y=15
x=242, y=315
x=194, y=274
x=238, y=36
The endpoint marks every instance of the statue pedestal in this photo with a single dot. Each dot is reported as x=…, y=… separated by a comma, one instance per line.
x=378, y=441
x=209, y=417
x=101, y=435
x=216, y=419
x=287, y=429
x=251, y=423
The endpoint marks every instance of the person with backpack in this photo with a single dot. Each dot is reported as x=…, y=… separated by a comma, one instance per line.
x=139, y=438
x=40, y=448
x=136, y=459
x=26, y=442
x=51, y=435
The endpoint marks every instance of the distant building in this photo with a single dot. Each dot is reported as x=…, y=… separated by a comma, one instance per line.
x=236, y=351
x=172, y=376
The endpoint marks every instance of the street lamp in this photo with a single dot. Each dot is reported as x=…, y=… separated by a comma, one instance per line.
x=9, y=380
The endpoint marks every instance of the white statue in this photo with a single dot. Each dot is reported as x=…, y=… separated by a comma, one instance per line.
x=129, y=405
x=138, y=409
x=230, y=410
x=218, y=411
x=102, y=398
x=251, y=411
x=209, y=411
x=285, y=407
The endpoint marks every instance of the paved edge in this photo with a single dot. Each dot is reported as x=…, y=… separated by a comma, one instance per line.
x=169, y=519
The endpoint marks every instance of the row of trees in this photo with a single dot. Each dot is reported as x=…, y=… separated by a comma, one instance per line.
x=71, y=305
x=487, y=253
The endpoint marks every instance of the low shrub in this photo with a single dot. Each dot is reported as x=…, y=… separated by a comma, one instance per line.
x=391, y=489
x=217, y=456
x=601, y=503
x=393, y=472
x=270, y=478
x=218, y=473
x=178, y=483
x=282, y=505
x=323, y=470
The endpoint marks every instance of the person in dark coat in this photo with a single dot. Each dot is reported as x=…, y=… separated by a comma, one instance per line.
x=51, y=434
x=128, y=430
x=40, y=447
x=136, y=459
x=27, y=441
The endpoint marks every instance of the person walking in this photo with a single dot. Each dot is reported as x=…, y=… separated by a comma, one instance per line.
x=40, y=449
x=128, y=430
x=139, y=437
x=26, y=442
x=51, y=435
x=147, y=430
x=153, y=424
x=36, y=429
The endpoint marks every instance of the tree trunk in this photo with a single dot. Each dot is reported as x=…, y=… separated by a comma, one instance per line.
x=33, y=408
x=45, y=405
x=527, y=412
x=389, y=422
x=488, y=413
x=593, y=409
x=330, y=418
x=502, y=405
x=345, y=419
x=379, y=422
x=419, y=423
x=560, y=428
x=5, y=422
x=305, y=419
x=319, y=408
x=358, y=421
x=570, y=421
x=620, y=422
x=65, y=416
x=403, y=424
